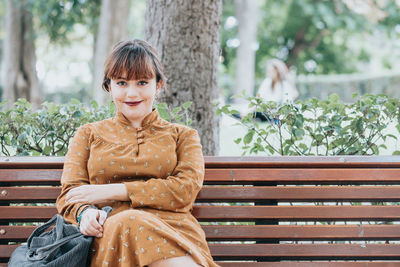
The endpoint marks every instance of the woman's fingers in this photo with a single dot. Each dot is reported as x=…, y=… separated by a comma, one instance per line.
x=102, y=217
x=89, y=230
x=89, y=222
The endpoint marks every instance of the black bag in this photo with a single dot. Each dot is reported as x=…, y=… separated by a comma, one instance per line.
x=64, y=245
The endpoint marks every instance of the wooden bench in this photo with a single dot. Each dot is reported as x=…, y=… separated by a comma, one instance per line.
x=283, y=211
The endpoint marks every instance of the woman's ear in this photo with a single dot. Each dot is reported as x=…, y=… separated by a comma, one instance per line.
x=159, y=86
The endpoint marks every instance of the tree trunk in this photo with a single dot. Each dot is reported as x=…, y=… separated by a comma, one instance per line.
x=246, y=13
x=186, y=35
x=19, y=77
x=113, y=27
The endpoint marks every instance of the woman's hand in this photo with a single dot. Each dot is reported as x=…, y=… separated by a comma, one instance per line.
x=95, y=194
x=92, y=221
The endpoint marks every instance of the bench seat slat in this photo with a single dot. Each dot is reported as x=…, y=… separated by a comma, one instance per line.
x=309, y=251
x=265, y=232
x=304, y=194
x=241, y=213
x=310, y=264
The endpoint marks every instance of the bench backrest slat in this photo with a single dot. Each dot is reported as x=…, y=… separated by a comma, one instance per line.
x=33, y=194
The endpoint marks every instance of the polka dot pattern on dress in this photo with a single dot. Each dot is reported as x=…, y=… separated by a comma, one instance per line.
x=162, y=167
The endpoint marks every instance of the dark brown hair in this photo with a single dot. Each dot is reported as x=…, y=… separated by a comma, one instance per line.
x=133, y=60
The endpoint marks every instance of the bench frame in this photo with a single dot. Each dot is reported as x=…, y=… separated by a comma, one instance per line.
x=259, y=221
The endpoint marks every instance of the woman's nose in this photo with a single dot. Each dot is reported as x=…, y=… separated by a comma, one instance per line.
x=132, y=91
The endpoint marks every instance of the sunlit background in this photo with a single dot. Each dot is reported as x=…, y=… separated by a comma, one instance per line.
x=329, y=45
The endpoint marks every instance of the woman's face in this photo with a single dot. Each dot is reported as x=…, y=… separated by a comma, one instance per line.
x=134, y=98
x=271, y=72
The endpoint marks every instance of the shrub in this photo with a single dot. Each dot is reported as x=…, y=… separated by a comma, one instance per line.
x=48, y=131
x=318, y=127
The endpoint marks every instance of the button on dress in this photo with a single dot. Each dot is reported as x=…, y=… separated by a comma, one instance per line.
x=162, y=167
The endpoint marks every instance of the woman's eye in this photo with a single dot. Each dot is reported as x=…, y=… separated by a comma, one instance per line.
x=121, y=83
x=142, y=83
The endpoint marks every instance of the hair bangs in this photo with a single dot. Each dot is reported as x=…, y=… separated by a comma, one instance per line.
x=132, y=64
x=133, y=60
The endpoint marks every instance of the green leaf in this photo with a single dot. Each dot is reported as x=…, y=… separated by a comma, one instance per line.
x=163, y=113
x=47, y=150
x=22, y=137
x=77, y=114
x=303, y=146
x=396, y=153
x=375, y=149
x=248, y=137
x=359, y=125
x=94, y=104
x=270, y=149
x=187, y=104
x=176, y=110
x=51, y=107
x=398, y=127
x=333, y=98
x=298, y=133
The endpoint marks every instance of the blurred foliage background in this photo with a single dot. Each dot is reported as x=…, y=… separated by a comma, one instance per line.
x=313, y=37
x=317, y=37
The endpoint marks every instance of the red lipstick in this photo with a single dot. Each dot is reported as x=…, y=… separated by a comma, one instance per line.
x=133, y=103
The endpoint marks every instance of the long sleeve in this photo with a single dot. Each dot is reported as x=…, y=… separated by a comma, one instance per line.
x=178, y=191
x=74, y=173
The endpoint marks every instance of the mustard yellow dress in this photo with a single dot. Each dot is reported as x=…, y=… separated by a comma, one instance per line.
x=162, y=166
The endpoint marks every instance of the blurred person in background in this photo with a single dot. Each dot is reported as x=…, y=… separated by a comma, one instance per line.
x=277, y=86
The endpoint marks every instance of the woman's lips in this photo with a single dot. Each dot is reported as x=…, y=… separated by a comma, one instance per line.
x=133, y=103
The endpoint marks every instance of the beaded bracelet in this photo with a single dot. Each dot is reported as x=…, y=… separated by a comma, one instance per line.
x=78, y=209
x=80, y=214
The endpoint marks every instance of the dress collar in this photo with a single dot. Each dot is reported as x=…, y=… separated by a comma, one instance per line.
x=149, y=119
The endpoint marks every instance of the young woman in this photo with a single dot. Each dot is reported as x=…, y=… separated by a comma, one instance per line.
x=147, y=169
x=277, y=86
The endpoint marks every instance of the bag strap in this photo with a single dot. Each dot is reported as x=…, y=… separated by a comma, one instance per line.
x=38, y=231
x=43, y=252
